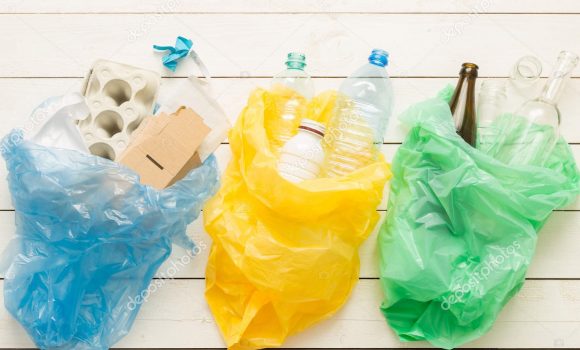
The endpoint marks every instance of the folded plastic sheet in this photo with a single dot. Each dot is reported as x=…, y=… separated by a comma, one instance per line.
x=89, y=239
x=284, y=255
x=461, y=228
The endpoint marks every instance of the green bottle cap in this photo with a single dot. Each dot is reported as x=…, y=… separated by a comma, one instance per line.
x=296, y=60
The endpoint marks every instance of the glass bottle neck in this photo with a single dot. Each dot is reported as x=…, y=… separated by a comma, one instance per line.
x=553, y=90
x=463, y=99
x=556, y=83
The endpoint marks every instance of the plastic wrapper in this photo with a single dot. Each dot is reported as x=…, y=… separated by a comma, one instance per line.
x=89, y=239
x=461, y=228
x=57, y=119
x=284, y=255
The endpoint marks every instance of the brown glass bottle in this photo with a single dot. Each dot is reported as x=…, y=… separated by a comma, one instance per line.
x=462, y=103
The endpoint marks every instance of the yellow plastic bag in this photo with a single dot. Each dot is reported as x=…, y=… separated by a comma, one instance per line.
x=284, y=255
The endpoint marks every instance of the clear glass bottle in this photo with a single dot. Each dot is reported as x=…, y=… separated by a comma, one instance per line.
x=491, y=103
x=363, y=108
x=296, y=84
x=530, y=136
x=523, y=82
x=526, y=71
x=302, y=156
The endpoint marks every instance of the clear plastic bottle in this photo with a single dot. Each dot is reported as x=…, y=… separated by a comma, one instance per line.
x=364, y=106
x=295, y=79
x=302, y=156
x=491, y=103
x=530, y=136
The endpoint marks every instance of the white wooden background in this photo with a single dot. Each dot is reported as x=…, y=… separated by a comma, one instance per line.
x=47, y=47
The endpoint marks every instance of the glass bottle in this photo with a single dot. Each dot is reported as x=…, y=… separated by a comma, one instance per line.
x=526, y=71
x=523, y=82
x=297, y=85
x=491, y=103
x=532, y=133
x=462, y=103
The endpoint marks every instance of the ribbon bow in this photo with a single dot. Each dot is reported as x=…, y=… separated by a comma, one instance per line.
x=181, y=49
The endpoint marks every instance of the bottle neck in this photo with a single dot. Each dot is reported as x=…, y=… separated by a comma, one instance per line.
x=293, y=65
x=553, y=89
x=312, y=127
x=311, y=133
x=462, y=103
x=464, y=93
x=557, y=82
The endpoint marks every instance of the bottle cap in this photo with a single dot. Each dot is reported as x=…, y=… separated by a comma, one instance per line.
x=312, y=126
x=379, y=58
x=296, y=60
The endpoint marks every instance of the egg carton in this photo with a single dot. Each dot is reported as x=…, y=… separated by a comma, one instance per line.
x=119, y=97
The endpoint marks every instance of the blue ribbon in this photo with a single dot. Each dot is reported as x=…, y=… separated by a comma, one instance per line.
x=181, y=49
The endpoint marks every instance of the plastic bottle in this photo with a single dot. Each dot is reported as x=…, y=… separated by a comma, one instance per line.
x=364, y=106
x=297, y=81
x=302, y=156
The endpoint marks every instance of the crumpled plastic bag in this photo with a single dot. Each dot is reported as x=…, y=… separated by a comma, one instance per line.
x=284, y=256
x=89, y=239
x=461, y=228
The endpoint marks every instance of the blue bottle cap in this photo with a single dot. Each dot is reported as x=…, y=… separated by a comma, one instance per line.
x=379, y=57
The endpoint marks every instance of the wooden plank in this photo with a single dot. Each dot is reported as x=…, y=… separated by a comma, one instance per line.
x=176, y=316
x=21, y=96
x=556, y=256
x=296, y=6
x=237, y=45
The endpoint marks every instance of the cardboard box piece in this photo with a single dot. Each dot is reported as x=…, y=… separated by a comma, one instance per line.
x=164, y=148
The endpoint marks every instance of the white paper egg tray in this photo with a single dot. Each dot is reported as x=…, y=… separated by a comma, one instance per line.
x=119, y=98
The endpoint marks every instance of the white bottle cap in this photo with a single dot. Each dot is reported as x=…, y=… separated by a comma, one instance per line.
x=312, y=126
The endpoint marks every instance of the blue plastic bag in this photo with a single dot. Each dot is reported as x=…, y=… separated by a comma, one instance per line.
x=89, y=239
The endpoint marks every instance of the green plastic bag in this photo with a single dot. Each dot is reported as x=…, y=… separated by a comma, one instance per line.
x=461, y=228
